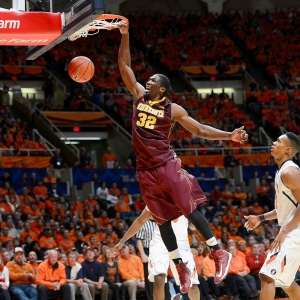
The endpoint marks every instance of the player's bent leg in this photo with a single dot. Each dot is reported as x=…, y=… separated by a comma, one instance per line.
x=293, y=291
x=267, y=287
x=194, y=293
x=222, y=258
x=159, y=287
x=169, y=239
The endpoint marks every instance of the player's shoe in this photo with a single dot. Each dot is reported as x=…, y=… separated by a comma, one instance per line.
x=177, y=297
x=222, y=260
x=184, y=277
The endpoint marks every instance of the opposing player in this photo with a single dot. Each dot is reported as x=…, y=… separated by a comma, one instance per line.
x=283, y=259
x=168, y=190
x=159, y=260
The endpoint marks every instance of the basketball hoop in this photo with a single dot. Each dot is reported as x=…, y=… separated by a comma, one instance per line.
x=105, y=21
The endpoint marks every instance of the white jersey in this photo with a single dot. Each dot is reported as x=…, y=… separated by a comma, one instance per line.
x=180, y=227
x=285, y=203
x=159, y=259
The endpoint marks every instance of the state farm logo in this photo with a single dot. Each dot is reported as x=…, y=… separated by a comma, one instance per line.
x=10, y=24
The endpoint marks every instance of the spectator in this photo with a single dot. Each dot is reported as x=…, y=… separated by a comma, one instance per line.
x=255, y=260
x=129, y=164
x=111, y=274
x=27, y=231
x=239, y=271
x=103, y=220
x=6, y=177
x=102, y=192
x=262, y=190
x=51, y=278
x=32, y=258
x=117, y=165
x=83, y=157
x=41, y=148
x=5, y=237
x=233, y=234
x=21, y=277
x=229, y=163
x=12, y=231
x=94, y=276
x=131, y=272
x=209, y=272
x=124, y=209
x=6, y=257
x=227, y=195
x=114, y=188
x=271, y=196
x=58, y=164
x=46, y=241
x=75, y=277
x=139, y=204
x=81, y=258
x=91, y=202
x=4, y=281
x=108, y=157
x=91, y=165
x=238, y=195
x=215, y=195
x=66, y=244
x=40, y=190
x=53, y=191
x=49, y=178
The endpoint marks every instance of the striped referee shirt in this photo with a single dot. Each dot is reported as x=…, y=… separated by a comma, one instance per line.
x=146, y=233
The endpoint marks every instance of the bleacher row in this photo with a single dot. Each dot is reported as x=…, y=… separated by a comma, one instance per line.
x=123, y=177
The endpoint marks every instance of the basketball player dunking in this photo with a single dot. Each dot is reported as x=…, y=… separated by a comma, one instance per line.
x=168, y=190
x=283, y=259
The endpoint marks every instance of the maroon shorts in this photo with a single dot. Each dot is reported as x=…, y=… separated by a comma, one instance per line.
x=170, y=191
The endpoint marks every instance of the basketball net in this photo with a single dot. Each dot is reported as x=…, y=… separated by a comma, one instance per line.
x=105, y=21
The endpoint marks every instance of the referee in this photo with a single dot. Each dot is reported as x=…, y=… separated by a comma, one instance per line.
x=143, y=237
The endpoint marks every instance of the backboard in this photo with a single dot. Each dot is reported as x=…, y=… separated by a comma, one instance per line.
x=74, y=15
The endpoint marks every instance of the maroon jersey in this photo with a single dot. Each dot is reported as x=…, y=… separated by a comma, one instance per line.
x=151, y=127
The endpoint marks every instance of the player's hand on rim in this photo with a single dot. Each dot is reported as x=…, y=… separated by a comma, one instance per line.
x=124, y=28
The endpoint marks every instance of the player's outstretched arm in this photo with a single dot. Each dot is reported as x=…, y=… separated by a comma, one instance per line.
x=254, y=221
x=134, y=228
x=180, y=114
x=124, y=61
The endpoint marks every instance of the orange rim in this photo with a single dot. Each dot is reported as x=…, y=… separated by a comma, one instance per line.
x=109, y=17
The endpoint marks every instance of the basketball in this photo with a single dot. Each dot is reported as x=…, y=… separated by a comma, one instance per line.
x=81, y=69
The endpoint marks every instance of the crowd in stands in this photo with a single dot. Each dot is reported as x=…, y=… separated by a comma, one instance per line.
x=40, y=219
x=186, y=41
x=272, y=38
x=275, y=107
x=15, y=138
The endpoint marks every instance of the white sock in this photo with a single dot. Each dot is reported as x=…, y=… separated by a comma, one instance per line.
x=174, y=254
x=212, y=242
